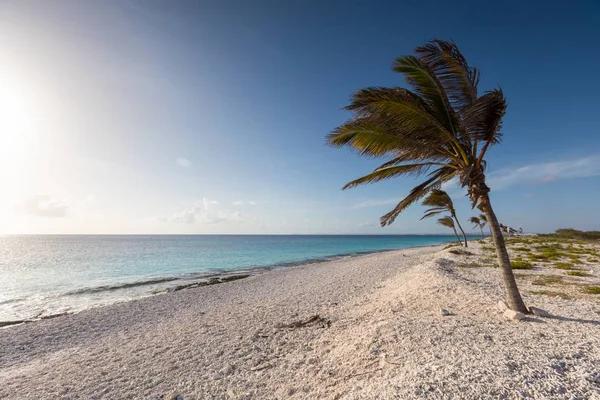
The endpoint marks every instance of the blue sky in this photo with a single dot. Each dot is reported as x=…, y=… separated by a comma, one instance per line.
x=210, y=117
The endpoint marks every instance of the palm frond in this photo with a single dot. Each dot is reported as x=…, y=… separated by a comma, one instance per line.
x=389, y=172
x=483, y=119
x=437, y=177
x=440, y=127
x=438, y=201
x=446, y=221
x=428, y=87
x=458, y=79
x=475, y=221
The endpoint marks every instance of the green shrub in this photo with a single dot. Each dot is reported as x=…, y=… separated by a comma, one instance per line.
x=525, y=249
x=575, y=234
x=592, y=260
x=469, y=265
x=521, y=264
x=578, y=273
x=592, y=289
x=563, y=265
x=548, y=280
x=552, y=293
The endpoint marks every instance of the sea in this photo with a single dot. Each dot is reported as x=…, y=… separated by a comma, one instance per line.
x=46, y=275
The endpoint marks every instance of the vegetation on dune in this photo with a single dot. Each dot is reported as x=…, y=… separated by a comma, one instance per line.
x=578, y=273
x=545, y=280
x=592, y=289
x=575, y=234
x=438, y=202
x=564, y=265
x=553, y=293
x=521, y=264
x=441, y=129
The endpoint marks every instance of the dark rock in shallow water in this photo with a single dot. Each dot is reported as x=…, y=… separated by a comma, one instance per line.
x=8, y=323
x=211, y=281
x=53, y=315
x=233, y=277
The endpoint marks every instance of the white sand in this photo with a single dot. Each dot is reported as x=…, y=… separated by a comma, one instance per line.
x=387, y=339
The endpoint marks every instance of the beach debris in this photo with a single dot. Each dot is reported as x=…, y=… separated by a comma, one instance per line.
x=314, y=320
x=539, y=312
x=445, y=312
x=174, y=396
x=514, y=315
x=502, y=306
x=460, y=252
x=261, y=367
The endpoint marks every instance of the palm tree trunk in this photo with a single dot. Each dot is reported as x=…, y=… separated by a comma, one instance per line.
x=481, y=231
x=457, y=237
x=510, y=284
x=461, y=229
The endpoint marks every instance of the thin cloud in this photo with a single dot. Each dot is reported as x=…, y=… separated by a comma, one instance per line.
x=202, y=211
x=366, y=225
x=241, y=203
x=183, y=162
x=45, y=206
x=545, y=172
x=374, y=203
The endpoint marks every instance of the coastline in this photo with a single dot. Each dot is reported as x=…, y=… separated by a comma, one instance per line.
x=173, y=283
x=362, y=327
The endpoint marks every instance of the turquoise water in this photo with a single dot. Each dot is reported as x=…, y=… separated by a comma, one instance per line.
x=44, y=275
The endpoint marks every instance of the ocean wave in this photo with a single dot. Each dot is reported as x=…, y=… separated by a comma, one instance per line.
x=106, y=288
x=15, y=300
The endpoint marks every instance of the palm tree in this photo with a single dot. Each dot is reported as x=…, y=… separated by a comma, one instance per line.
x=476, y=221
x=439, y=202
x=449, y=222
x=483, y=221
x=441, y=129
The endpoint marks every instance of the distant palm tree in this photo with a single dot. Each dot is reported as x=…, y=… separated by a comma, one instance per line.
x=477, y=223
x=441, y=129
x=483, y=221
x=449, y=222
x=438, y=202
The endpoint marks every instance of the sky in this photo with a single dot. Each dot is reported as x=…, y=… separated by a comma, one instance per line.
x=180, y=117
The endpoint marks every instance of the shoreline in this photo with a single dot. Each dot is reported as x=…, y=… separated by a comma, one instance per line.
x=187, y=281
x=366, y=327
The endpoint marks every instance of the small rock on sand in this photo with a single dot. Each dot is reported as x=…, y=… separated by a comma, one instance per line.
x=539, y=312
x=514, y=315
x=444, y=312
x=502, y=306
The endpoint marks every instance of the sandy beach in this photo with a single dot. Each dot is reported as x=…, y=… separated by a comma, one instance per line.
x=367, y=327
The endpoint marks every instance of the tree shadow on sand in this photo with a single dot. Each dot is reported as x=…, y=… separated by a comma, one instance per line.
x=566, y=319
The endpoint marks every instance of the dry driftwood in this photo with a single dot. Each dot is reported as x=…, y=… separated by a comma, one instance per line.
x=315, y=319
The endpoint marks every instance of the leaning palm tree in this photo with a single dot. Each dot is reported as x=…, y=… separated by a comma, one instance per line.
x=442, y=129
x=449, y=222
x=477, y=223
x=439, y=201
